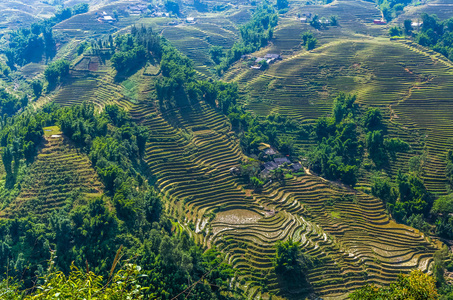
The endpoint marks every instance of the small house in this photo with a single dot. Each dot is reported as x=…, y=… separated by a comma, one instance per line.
x=107, y=19
x=416, y=25
x=272, y=56
x=269, y=151
x=296, y=167
x=303, y=20
x=260, y=59
x=190, y=20
x=379, y=22
x=281, y=161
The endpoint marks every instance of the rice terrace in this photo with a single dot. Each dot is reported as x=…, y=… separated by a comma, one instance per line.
x=212, y=149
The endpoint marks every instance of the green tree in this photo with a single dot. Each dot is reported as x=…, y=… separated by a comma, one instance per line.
x=416, y=285
x=311, y=44
x=282, y=4
x=395, y=31
x=334, y=20
x=290, y=263
x=256, y=183
x=37, y=88
x=408, y=27
x=216, y=53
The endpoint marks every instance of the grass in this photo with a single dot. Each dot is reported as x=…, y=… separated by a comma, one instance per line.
x=335, y=214
x=51, y=130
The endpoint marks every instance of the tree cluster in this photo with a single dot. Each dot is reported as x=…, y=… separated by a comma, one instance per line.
x=392, y=8
x=88, y=231
x=342, y=138
x=416, y=285
x=32, y=44
x=132, y=50
x=254, y=34
x=290, y=263
x=56, y=72
x=308, y=40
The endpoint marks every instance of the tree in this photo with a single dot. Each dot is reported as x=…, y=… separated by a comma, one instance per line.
x=443, y=205
x=37, y=88
x=395, y=31
x=80, y=8
x=311, y=44
x=7, y=158
x=333, y=20
x=56, y=71
x=408, y=27
x=282, y=4
x=256, y=183
x=63, y=14
x=315, y=22
x=373, y=119
x=216, y=53
x=290, y=262
x=417, y=285
x=172, y=6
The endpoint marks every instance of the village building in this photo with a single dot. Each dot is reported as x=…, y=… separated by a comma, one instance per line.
x=416, y=25
x=106, y=19
x=274, y=56
x=379, y=22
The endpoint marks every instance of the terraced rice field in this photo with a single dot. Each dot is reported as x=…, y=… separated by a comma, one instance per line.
x=411, y=85
x=195, y=40
x=190, y=152
x=58, y=174
x=100, y=90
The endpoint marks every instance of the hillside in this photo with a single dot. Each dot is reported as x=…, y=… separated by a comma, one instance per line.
x=55, y=179
x=199, y=173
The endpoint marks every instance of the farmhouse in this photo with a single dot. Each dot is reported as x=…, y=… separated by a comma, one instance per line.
x=136, y=10
x=190, y=20
x=106, y=19
x=270, y=151
x=272, y=56
x=416, y=25
x=379, y=22
x=281, y=161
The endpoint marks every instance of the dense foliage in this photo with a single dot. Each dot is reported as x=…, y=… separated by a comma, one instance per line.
x=308, y=40
x=89, y=231
x=392, y=8
x=30, y=45
x=406, y=198
x=56, y=72
x=291, y=263
x=37, y=42
x=416, y=285
x=254, y=34
x=134, y=49
x=433, y=33
x=343, y=137
x=79, y=284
